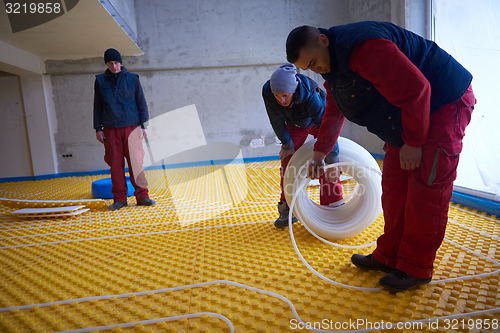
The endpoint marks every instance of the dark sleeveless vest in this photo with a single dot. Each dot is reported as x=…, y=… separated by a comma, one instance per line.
x=118, y=95
x=357, y=98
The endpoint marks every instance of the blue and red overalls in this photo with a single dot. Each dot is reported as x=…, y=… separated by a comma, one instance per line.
x=293, y=123
x=406, y=90
x=120, y=110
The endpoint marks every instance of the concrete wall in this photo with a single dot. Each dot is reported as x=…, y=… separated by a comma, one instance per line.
x=126, y=10
x=214, y=54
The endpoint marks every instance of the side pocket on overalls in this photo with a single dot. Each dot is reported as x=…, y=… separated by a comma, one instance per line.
x=444, y=167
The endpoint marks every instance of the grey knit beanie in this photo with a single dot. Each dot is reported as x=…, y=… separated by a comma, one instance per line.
x=283, y=79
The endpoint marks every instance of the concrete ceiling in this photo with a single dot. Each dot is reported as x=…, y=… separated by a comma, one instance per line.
x=82, y=32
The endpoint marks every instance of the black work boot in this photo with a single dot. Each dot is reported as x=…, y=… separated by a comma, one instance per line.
x=368, y=262
x=398, y=280
x=145, y=202
x=282, y=221
x=117, y=205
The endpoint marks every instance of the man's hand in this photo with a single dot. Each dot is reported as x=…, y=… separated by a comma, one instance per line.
x=144, y=133
x=314, y=169
x=284, y=153
x=332, y=174
x=100, y=136
x=409, y=157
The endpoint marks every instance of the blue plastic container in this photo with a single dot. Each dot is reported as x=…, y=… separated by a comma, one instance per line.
x=101, y=189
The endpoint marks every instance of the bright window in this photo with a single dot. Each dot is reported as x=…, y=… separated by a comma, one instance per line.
x=470, y=32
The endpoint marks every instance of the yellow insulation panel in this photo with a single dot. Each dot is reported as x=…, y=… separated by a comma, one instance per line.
x=207, y=258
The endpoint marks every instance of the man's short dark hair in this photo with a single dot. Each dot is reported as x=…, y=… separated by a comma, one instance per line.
x=301, y=37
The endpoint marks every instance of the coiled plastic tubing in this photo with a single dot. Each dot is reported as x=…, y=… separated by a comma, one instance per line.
x=349, y=216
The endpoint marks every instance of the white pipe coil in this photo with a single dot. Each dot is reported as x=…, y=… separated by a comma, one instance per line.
x=348, y=217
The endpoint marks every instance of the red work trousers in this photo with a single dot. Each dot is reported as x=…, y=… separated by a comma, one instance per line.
x=120, y=143
x=329, y=192
x=416, y=202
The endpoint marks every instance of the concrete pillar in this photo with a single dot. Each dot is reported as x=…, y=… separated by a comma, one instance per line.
x=41, y=141
x=15, y=158
x=36, y=91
